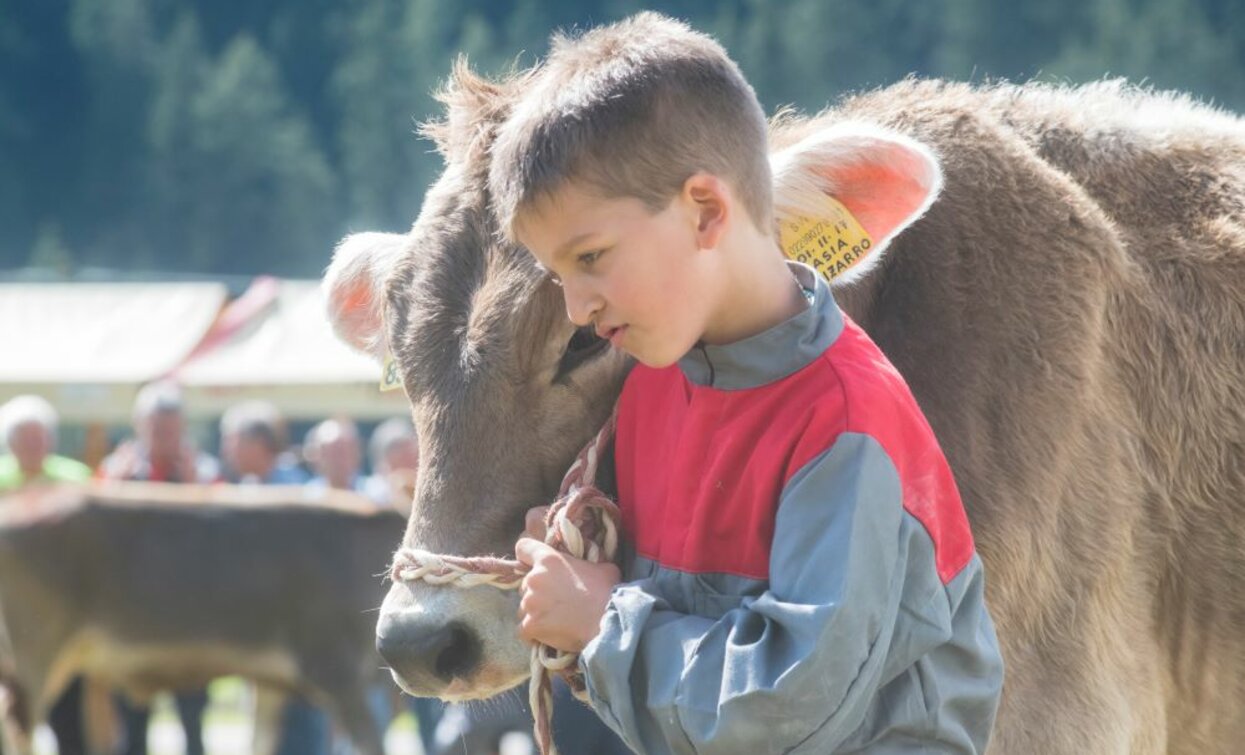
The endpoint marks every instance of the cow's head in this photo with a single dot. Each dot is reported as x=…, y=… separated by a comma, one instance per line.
x=504, y=390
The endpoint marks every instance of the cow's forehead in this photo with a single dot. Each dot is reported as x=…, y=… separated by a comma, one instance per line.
x=464, y=299
x=461, y=264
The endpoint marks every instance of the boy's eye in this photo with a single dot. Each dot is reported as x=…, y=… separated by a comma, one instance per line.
x=587, y=258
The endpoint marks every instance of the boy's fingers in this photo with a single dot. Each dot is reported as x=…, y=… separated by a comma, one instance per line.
x=534, y=522
x=527, y=550
x=527, y=631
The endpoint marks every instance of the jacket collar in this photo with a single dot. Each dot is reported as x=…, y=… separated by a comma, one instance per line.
x=773, y=354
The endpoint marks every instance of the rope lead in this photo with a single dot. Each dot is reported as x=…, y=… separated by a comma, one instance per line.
x=582, y=523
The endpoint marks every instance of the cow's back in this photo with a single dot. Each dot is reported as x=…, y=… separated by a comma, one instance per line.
x=1070, y=314
x=165, y=595
x=1174, y=187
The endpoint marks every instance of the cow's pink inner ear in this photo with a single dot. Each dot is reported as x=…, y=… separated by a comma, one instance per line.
x=887, y=195
x=884, y=179
x=350, y=309
x=353, y=285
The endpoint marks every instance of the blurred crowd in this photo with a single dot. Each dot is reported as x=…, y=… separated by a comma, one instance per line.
x=254, y=449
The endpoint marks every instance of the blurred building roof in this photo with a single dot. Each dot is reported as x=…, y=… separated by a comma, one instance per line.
x=101, y=332
x=275, y=343
x=89, y=347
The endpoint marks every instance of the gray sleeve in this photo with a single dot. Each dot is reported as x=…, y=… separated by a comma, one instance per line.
x=794, y=668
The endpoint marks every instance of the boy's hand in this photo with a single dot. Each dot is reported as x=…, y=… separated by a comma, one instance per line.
x=563, y=598
x=534, y=523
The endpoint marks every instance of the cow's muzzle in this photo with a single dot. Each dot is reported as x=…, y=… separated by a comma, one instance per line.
x=427, y=654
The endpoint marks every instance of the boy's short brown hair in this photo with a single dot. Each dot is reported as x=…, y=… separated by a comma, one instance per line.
x=632, y=110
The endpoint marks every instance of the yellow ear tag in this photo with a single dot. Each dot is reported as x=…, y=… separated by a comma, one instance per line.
x=833, y=242
x=389, y=378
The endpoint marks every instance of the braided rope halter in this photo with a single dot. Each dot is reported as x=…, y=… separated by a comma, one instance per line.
x=582, y=523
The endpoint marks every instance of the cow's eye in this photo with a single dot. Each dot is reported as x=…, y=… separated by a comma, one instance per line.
x=583, y=346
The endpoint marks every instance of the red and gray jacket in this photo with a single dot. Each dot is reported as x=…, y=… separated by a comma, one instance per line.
x=802, y=577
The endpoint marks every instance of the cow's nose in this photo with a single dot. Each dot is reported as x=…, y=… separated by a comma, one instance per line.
x=427, y=654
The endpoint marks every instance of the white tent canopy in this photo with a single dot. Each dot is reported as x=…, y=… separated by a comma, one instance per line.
x=88, y=347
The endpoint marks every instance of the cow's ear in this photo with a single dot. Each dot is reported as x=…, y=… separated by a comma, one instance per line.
x=885, y=180
x=354, y=287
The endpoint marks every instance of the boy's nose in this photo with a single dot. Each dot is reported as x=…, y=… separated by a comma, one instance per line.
x=582, y=306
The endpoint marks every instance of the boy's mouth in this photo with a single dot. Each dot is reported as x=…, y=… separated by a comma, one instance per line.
x=613, y=335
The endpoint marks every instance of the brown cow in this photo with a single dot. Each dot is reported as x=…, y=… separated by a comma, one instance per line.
x=1069, y=312
x=153, y=586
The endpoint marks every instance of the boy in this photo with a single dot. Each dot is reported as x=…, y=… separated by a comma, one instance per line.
x=780, y=489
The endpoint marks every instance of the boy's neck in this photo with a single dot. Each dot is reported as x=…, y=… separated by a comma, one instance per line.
x=756, y=290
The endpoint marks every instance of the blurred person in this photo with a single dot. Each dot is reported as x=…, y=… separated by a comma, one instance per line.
x=253, y=441
x=332, y=449
x=481, y=728
x=504, y=724
x=394, y=454
x=393, y=451
x=253, y=448
x=28, y=427
x=161, y=451
x=334, y=453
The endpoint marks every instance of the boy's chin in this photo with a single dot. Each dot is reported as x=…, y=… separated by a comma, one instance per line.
x=654, y=361
x=657, y=353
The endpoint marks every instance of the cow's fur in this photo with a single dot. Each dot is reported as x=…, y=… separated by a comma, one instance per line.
x=149, y=587
x=1071, y=315
x=1069, y=312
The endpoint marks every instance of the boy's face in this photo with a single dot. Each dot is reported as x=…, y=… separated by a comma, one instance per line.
x=634, y=275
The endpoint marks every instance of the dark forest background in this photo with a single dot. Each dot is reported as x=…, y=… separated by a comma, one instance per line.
x=238, y=137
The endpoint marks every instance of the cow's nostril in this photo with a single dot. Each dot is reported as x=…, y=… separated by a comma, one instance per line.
x=426, y=654
x=460, y=653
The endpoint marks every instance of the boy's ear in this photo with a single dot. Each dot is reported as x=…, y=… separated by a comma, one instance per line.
x=708, y=194
x=885, y=180
x=354, y=287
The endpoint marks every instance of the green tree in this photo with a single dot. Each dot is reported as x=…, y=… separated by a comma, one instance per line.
x=43, y=97
x=116, y=43
x=381, y=85
x=1171, y=44
x=396, y=54
x=986, y=38
x=174, y=164
x=247, y=137
x=49, y=251
x=258, y=193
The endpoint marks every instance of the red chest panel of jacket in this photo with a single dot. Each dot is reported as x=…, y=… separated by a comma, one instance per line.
x=701, y=470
